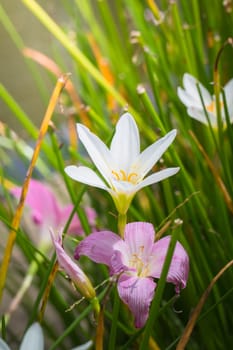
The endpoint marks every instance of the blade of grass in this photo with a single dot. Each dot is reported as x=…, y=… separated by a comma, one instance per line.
x=190, y=325
x=154, y=312
x=17, y=217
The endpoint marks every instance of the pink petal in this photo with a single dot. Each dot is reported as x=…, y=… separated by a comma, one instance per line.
x=139, y=237
x=75, y=225
x=137, y=293
x=99, y=247
x=71, y=268
x=120, y=261
x=179, y=267
x=42, y=202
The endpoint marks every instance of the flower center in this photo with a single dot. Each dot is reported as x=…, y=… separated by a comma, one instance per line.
x=121, y=175
x=138, y=262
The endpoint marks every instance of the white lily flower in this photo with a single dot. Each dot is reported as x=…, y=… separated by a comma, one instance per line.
x=33, y=339
x=122, y=166
x=191, y=99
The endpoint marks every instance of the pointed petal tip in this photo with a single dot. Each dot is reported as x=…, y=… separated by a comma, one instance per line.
x=127, y=115
x=33, y=338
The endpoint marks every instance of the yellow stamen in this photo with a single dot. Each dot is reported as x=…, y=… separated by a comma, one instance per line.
x=130, y=177
x=114, y=173
x=137, y=262
x=123, y=176
x=212, y=106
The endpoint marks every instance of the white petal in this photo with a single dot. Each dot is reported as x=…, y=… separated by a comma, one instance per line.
x=125, y=146
x=199, y=114
x=33, y=339
x=3, y=345
x=96, y=149
x=85, y=175
x=153, y=153
x=190, y=85
x=85, y=346
x=123, y=186
x=187, y=99
x=156, y=177
x=228, y=89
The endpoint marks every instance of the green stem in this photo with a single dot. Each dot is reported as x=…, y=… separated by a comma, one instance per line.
x=32, y=270
x=113, y=332
x=122, y=219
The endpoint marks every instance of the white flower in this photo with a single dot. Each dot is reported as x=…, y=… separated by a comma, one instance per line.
x=122, y=166
x=191, y=99
x=33, y=339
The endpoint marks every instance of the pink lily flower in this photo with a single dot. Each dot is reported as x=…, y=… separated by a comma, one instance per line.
x=75, y=273
x=46, y=210
x=136, y=260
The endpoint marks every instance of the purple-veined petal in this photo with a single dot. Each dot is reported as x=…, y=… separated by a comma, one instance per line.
x=190, y=85
x=99, y=247
x=156, y=177
x=125, y=146
x=42, y=202
x=120, y=260
x=179, y=267
x=139, y=238
x=153, y=153
x=199, y=114
x=71, y=268
x=85, y=175
x=97, y=150
x=137, y=293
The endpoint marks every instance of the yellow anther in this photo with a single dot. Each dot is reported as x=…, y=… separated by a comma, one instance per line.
x=114, y=173
x=212, y=106
x=130, y=177
x=123, y=176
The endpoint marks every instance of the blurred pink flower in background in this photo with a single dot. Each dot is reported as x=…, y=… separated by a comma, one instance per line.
x=46, y=210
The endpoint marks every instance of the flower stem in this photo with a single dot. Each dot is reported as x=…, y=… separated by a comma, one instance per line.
x=113, y=332
x=122, y=219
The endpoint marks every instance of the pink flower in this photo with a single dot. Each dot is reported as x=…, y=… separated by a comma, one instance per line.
x=75, y=273
x=137, y=260
x=46, y=211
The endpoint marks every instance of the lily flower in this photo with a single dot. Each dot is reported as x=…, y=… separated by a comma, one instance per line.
x=190, y=97
x=136, y=260
x=78, y=277
x=34, y=339
x=122, y=167
x=46, y=210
